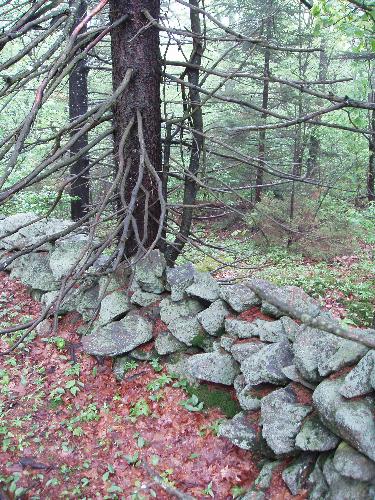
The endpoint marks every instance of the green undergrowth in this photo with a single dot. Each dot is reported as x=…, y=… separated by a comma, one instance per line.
x=215, y=398
x=242, y=258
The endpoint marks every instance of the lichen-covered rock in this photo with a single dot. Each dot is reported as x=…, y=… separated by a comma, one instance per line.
x=353, y=421
x=245, y=433
x=239, y=297
x=113, y=307
x=149, y=272
x=171, y=311
x=291, y=328
x=212, y=367
x=350, y=463
x=144, y=299
x=179, y=279
x=212, y=319
x=69, y=251
x=119, y=337
x=266, y=364
x=272, y=331
x=241, y=329
x=204, y=287
x=34, y=271
x=68, y=304
x=314, y=436
x=166, y=343
x=344, y=488
x=358, y=381
x=292, y=296
x=248, y=396
x=187, y=330
x=263, y=481
x=293, y=374
x=296, y=474
x=318, y=353
x=32, y=233
x=241, y=351
x=226, y=342
x=88, y=301
x=317, y=483
x=281, y=419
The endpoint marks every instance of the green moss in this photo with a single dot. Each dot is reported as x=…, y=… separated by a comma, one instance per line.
x=199, y=340
x=215, y=398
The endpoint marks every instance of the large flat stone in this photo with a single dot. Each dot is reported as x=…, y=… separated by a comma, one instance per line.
x=353, y=421
x=119, y=337
x=212, y=319
x=212, y=367
x=239, y=297
x=265, y=365
x=281, y=419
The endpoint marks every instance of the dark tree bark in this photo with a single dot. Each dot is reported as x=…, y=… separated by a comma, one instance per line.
x=190, y=185
x=265, y=98
x=135, y=46
x=371, y=166
x=78, y=105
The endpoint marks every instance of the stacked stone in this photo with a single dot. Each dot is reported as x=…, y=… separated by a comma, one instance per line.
x=306, y=395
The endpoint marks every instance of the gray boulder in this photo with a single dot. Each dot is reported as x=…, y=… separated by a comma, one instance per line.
x=263, y=481
x=350, y=463
x=248, y=396
x=281, y=419
x=318, y=353
x=244, y=432
x=293, y=374
x=291, y=328
x=241, y=329
x=88, y=301
x=144, y=299
x=186, y=329
x=353, y=421
x=212, y=367
x=171, y=311
x=179, y=279
x=34, y=271
x=149, y=272
x=272, y=331
x=266, y=364
x=292, y=296
x=113, y=307
x=239, y=297
x=166, y=343
x=204, y=287
x=241, y=351
x=119, y=337
x=344, y=488
x=226, y=342
x=212, y=318
x=314, y=436
x=68, y=253
x=358, y=381
x=296, y=474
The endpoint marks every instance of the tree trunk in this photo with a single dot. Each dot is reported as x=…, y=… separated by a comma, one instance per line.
x=78, y=105
x=371, y=167
x=135, y=46
x=265, y=98
x=190, y=185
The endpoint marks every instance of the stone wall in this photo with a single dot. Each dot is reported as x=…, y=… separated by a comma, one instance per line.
x=304, y=393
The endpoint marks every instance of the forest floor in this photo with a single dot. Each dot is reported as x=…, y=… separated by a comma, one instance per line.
x=68, y=429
